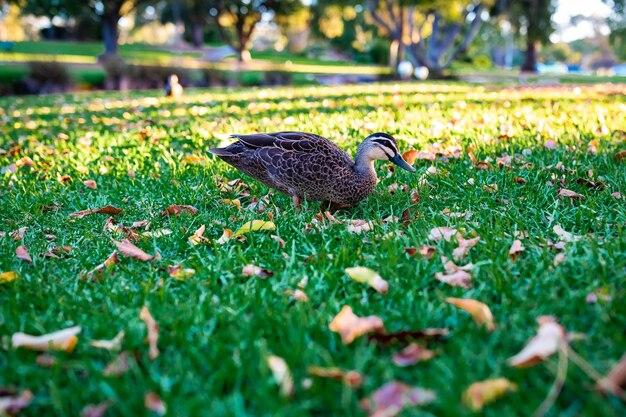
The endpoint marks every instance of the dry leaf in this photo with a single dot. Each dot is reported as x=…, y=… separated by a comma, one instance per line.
x=22, y=253
x=617, y=195
x=118, y=366
x=441, y=233
x=255, y=225
x=516, y=249
x=153, y=332
x=563, y=235
x=359, y=226
x=114, y=344
x=280, y=241
x=282, y=375
x=369, y=277
x=410, y=156
x=350, y=326
x=549, y=144
x=519, y=180
x=198, y=238
x=477, y=395
x=90, y=184
x=412, y=354
x=251, y=270
x=97, y=272
x=19, y=233
x=492, y=188
x=570, y=194
x=464, y=246
x=390, y=399
x=132, y=251
x=479, y=311
x=157, y=233
x=558, y=259
x=226, y=236
x=350, y=378
x=154, y=403
x=620, y=156
x=176, y=210
x=298, y=295
x=549, y=338
x=109, y=210
x=459, y=278
x=615, y=381
x=65, y=340
x=404, y=336
x=95, y=410
x=10, y=404
x=234, y=202
x=7, y=277
x=180, y=273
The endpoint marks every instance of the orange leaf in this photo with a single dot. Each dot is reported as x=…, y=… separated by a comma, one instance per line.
x=479, y=311
x=153, y=332
x=65, y=339
x=350, y=326
x=90, y=184
x=198, y=238
x=350, y=378
x=22, y=253
x=132, y=251
x=484, y=392
x=176, y=210
x=410, y=156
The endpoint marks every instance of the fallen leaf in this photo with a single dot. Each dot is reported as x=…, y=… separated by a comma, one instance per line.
x=350, y=378
x=464, y=246
x=592, y=185
x=154, y=403
x=598, y=294
x=359, y=226
x=19, y=233
x=118, y=366
x=410, y=156
x=458, y=278
x=412, y=354
x=65, y=340
x=350, y=326
x=109, y=210
x=180, y=273
x=7, y=277
x=441, y=233
x=558, y=259
x=132, y=251
x=570, y=194
x=153, y=332
x=369, y=277
x=95, y=410
x=563, y=235
x=519, y=180
x=298, y=295
x=404, y=336
x=615, y=381
x=226, y=236
x=255, y=225
x=142, y=223
x=617, y=195
x=90, y=184
x=549, y=338
x=516, y=249
x=198, y=238
x=157, y=233
x=477, y=395
x=282, y=375
x=620, y=156
x=98, y=271
x=492, y=188
x=393, y=397
x=114, y=344
x=479, y=311
x=251, y=270
x=549, y=144
x=280, y=241
x=11, y=404
x=22, y=253
x=176, y=210
x=234, y=202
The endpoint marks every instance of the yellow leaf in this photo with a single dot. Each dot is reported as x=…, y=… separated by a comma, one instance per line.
x=255, y=225
x=350, y=326
x=8, y=276
x=479, y=311
x=369, y=277
x=282, y=375
x=484, y=392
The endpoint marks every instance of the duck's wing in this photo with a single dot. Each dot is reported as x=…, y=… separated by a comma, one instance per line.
x=288, y=141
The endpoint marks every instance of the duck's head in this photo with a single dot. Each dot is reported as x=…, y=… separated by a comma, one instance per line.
x=382, y=146
x=173, y=79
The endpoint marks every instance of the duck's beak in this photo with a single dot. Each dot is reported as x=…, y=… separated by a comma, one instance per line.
x=398, y=160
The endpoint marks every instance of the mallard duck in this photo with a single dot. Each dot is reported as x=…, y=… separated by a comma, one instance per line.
x=308, y=166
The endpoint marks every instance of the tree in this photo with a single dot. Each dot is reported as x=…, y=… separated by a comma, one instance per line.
x=193, y=13
x=236, y=19
x=432, y=33
x=534, y=17
x=617, y=24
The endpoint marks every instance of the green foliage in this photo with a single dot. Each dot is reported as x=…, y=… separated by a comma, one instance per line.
x=217, y=327
x=49, y=72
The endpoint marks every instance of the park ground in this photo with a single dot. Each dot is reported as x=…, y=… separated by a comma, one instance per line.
x=497, y=163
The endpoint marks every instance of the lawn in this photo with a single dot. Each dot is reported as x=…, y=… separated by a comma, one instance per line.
x=218, y=328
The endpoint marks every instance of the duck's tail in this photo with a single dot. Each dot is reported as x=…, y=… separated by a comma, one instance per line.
x=221, y=151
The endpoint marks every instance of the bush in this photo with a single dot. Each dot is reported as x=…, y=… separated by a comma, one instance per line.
x=47, y=77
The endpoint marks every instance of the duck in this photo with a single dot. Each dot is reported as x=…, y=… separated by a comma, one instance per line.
x=310, y=167
x=172, y=87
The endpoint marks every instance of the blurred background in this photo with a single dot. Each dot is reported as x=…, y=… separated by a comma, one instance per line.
x=49, y=46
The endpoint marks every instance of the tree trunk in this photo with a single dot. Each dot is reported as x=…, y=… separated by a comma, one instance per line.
x=530, y=57
x=110, y=33
x=197, y=34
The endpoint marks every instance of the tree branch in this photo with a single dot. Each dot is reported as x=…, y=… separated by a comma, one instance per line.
x=474, y=28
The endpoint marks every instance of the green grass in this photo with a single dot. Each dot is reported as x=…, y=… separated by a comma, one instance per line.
x=217, y=328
